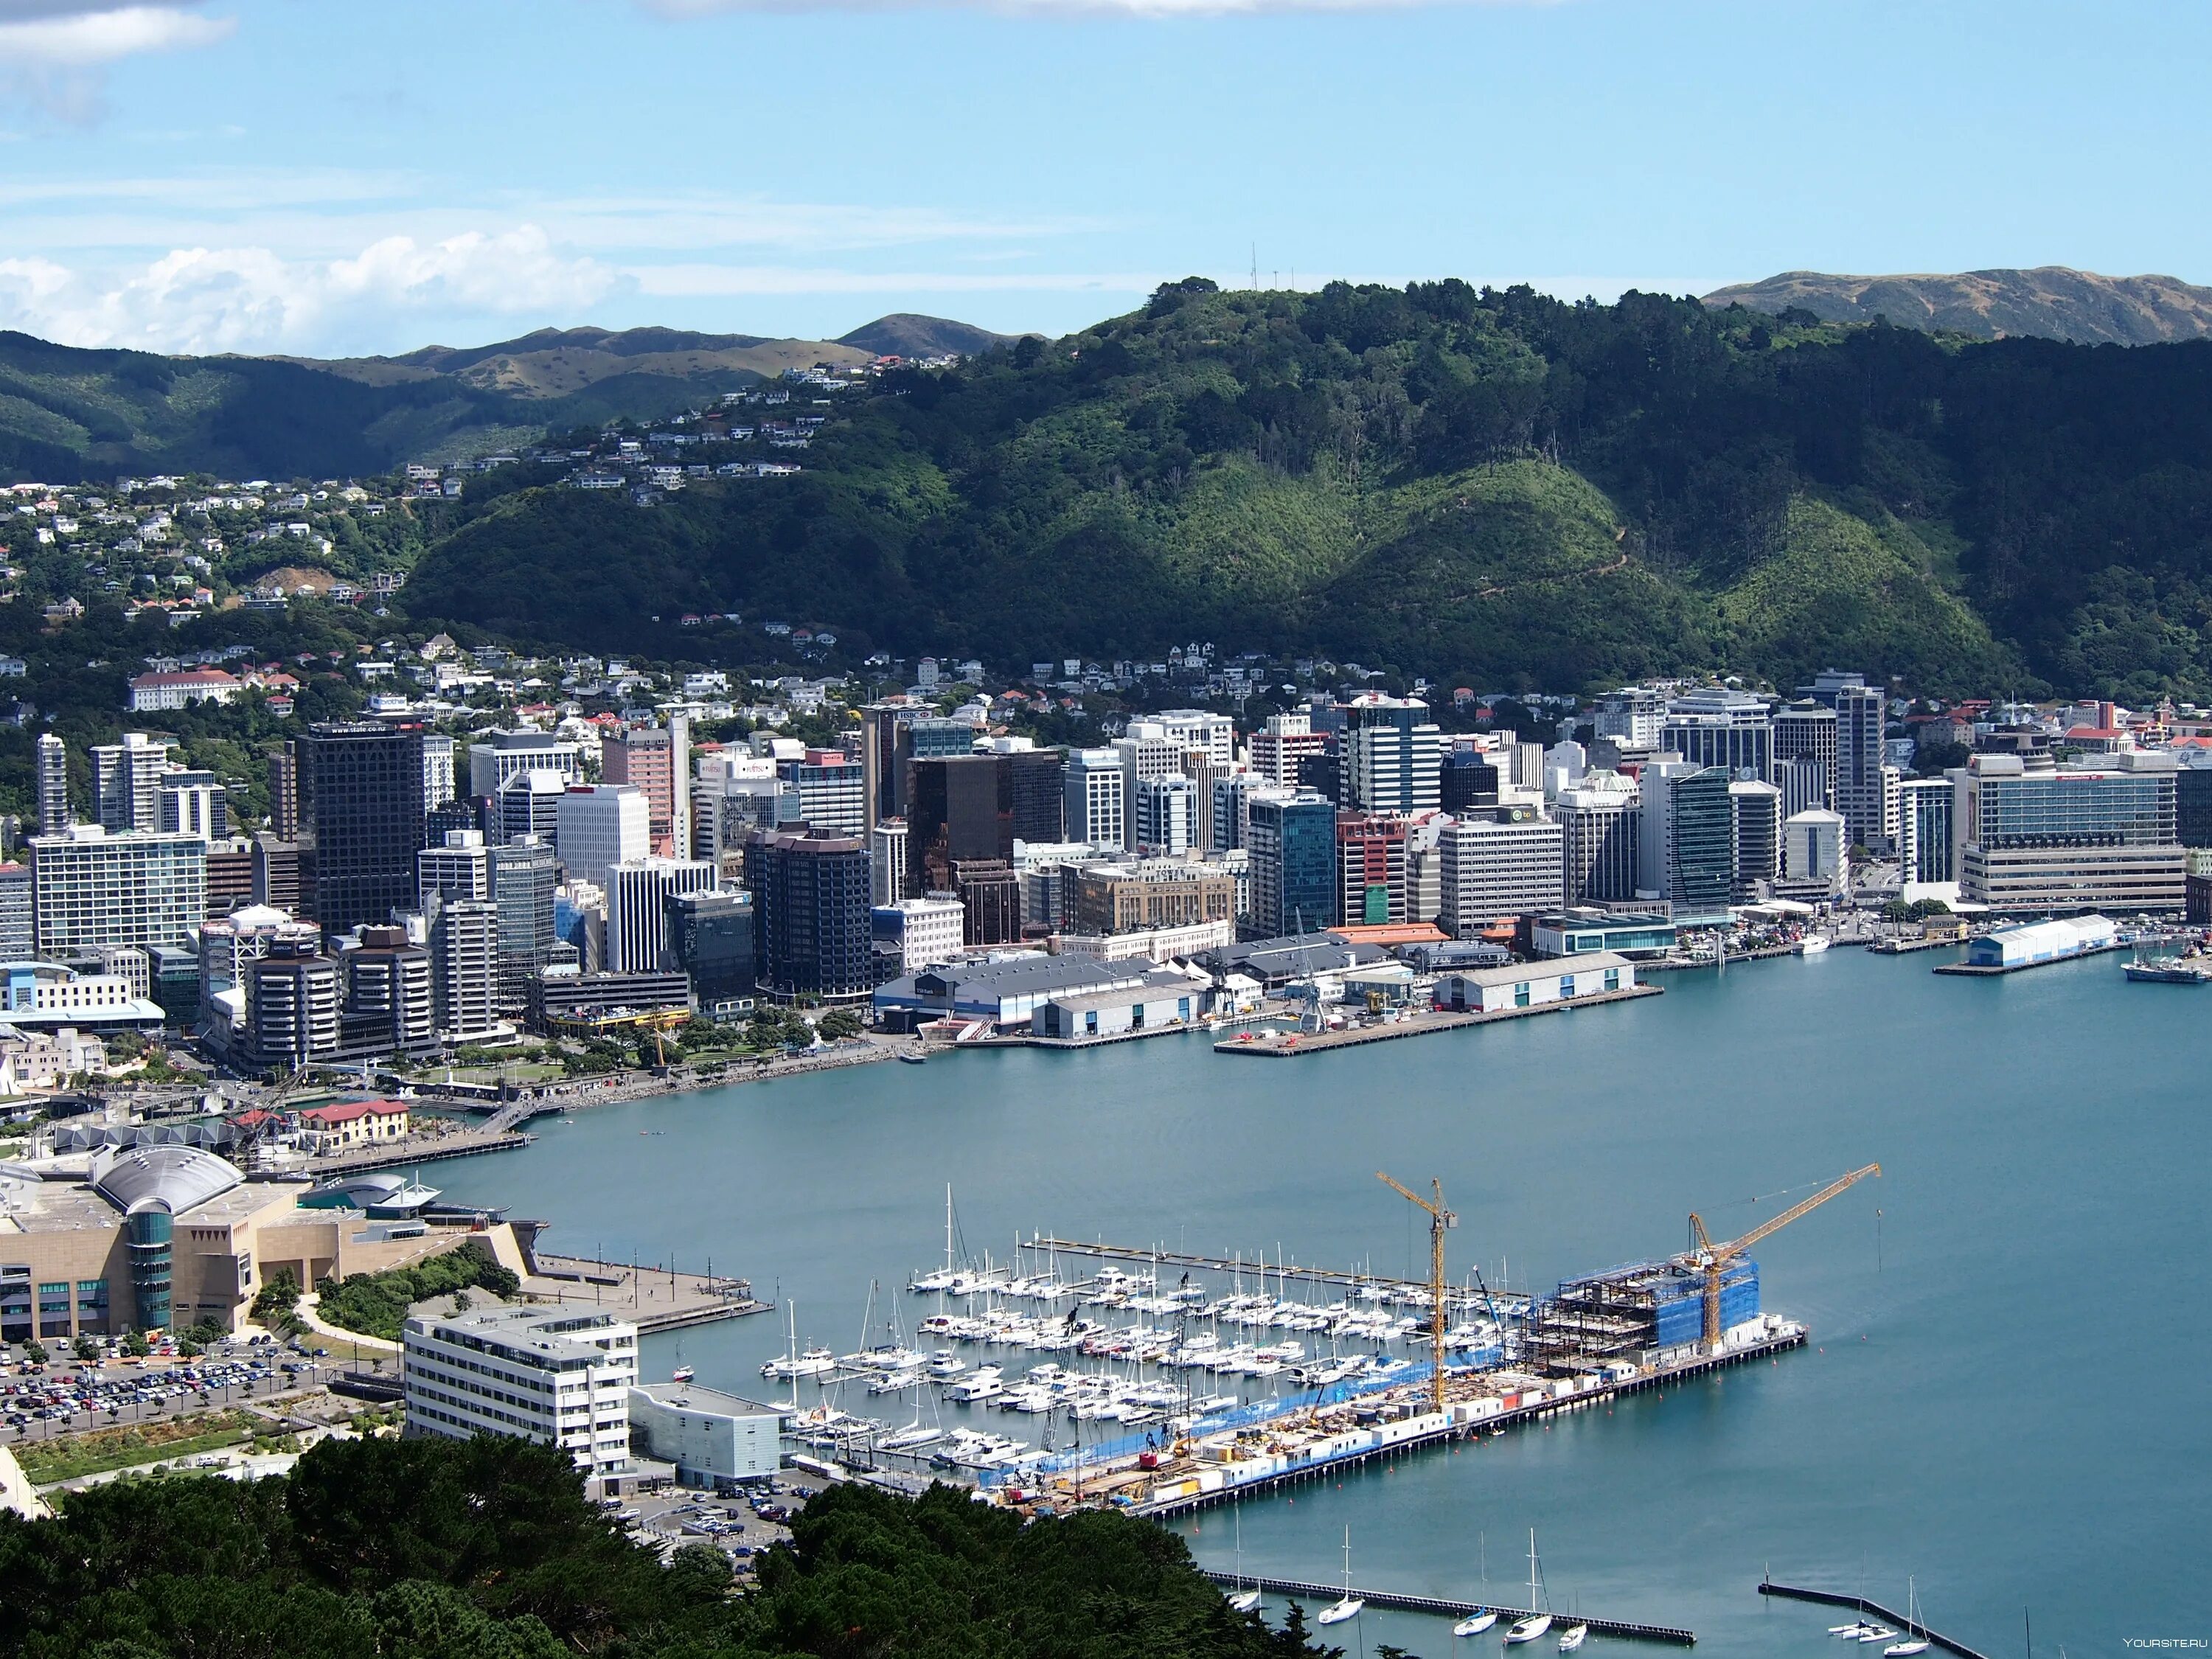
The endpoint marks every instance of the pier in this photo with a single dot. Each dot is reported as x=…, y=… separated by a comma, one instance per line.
x=652, y=1297
x=1233, y=1266
x=1289, y=1045
x=1859, y=1604
x=1174, y=1492
x=1445, y=1607
x=405, y=1155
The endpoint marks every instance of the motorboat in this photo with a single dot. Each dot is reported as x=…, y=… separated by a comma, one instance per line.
x=979, y=1384
x=1573, y=1637
x=1812, y=945
x=815, y=1362
x=946, y=1364
x=1475, y=1624
x=911, y=1058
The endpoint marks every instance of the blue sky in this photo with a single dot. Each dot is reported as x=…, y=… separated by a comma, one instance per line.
x=307, y=176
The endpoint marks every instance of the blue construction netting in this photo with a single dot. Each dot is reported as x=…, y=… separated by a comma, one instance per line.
x=1258, y=1412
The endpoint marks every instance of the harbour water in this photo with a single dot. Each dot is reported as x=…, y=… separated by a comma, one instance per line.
x=2006, y=1395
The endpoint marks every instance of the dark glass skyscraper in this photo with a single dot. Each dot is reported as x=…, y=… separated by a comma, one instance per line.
x=365, y=784
x=810, y=900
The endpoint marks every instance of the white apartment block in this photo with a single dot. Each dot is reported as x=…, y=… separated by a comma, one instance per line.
x=561, y=1376
x=1194, y=728
x=90, y=889
x=599, y=825
x=637, y=915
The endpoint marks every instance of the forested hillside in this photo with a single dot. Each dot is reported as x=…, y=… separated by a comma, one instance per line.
x=1489, y=485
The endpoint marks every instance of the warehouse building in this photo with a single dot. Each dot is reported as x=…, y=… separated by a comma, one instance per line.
x=714, y=1439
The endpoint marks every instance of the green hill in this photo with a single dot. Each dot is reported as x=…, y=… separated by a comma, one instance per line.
x=1494, y=487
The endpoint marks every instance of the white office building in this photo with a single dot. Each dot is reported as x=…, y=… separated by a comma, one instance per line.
x=438, y=783
x=560, y=1376
x=599, y=825
x=887, y=847
x=1631, y=717
x=465, y=968
x=1167, y=816
x=89, y=888
x=495, y=757
x=1194, y=728
x=1098, y=798
x=1393, y=756
x=1812, y=846
x=637, y=911
x=919, y=933
x=1599, y=822
x=1495, y=867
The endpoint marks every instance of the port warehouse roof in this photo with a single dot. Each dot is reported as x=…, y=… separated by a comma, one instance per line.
x=2041, y=941
x=1276, y=961
x=1006, y=993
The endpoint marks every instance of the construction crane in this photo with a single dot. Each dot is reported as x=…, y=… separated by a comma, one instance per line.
x=1440, y=1219
x=1714, y=1260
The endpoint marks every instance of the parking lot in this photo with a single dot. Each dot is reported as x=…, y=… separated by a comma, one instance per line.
x=67, y=1394
x=741, y=1525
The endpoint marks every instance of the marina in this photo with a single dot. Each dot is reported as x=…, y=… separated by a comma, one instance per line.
x=1564, y=1146
x=1901, y=1623
x=1446, y=1607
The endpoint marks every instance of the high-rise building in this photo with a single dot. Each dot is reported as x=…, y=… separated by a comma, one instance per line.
x=293, y=1005
x=189, y=802
x=52, y=785
x=125, y=794
x=990, y=894
x=1504, y=863
x=18, y=938
x=1291, y=841
x=599, y=825
x=1755, y=814
x=458, y=869
x=1226, y=826
x=1804, y=756
x=887, y=848
x=830, y=790
x=438, y=783
x=390, y=990
x=2192, y=804
x=285, y=816
x=365, y=782
x=495, y=757
x=2072, y=839
x=1098, y=798
x=1197, y=728
x=1631, y=717
x=1392, y=758
x=637, y=909
x=882, y=768
x=1167, y=816
x=1814, y=850
x=914, y=933
x=1927, y=847
x=529, y=804
x=1861, y=725
x=524, y=875
x=959, y=809
x=1688, y=838
x=1037, y=784
x=464, y=967
x=653, y=758
x=283, y=874
x=1146, y=752
x=1276, y=749
x=1468, y=781
x=89, y=888
x=710, y=938
x=1370, y=855
x=810, y=894
x=1599, y=825
x=1715, y=726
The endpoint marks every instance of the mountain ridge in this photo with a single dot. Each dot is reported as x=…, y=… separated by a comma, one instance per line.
x=2055, y=302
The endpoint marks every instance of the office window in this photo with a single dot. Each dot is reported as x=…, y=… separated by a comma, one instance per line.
x=1566, y=985
x=1613, y=978
x=1521, y=995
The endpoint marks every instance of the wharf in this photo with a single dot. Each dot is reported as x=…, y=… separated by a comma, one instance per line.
x=1459, y=1427
x=1897, y=947
x=1445, y=1607
x=1289, y=1045
x=1683, y=964
x=1860, y=1605
x=653, y=1298
x=1977, y=970
x=466, y=1144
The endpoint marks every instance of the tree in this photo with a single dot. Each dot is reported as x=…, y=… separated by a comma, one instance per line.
x=135, y=1344
x=35, y=1351
x=840, y=1023
x=86, y=1348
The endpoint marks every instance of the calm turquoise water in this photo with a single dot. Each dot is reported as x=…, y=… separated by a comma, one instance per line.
x=2008, y=1394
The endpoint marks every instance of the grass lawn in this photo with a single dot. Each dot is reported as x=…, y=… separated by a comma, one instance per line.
x=46, y=1461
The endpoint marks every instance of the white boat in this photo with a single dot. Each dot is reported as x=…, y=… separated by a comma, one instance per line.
x=681, y=1374
x=1852, y=1632
x=979, y=1384
x=912, y=1437
x=1812, y=945
x=1349, y=1606
x=1573, y=1637
x=1475, y=1624
x=946, y=1364
x=1916, y=1633
x=815, y=1362
x=1536, y=1624
x=1877, y=1633
x=1244, y=1601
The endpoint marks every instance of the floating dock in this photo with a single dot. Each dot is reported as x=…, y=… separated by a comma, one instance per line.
x=1289, y=1045
x=1860, y=1605
x=1444, y=1607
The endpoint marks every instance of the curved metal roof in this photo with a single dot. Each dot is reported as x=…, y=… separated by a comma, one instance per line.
x=172, y=1178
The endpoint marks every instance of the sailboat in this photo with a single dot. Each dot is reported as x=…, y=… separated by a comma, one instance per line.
x=791, y=1366
x=1536, y=1624
x=1482, y=1618
x=1916, y=1633
x=1350, y=1604
x=1244, y=1599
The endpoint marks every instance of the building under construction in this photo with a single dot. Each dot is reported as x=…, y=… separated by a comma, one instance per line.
x=1643, y=1312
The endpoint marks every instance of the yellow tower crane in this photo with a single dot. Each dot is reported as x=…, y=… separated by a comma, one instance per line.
x=1713, y=1259
x=1440, y=1218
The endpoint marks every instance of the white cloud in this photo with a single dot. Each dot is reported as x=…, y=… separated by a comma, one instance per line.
x=54, y=53
x=692, y=281
x=201, y=299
